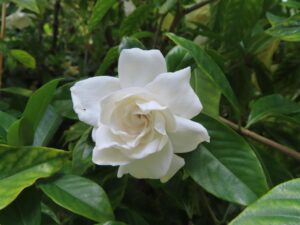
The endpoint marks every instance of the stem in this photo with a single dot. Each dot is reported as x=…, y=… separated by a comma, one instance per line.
x=284, y=149
x=2, y=35
x=197, y=6
x=55, y=24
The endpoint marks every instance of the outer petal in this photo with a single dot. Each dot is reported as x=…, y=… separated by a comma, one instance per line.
x=174, y=90
x=153, y=166
x=176, y=164
x=138, y=67
x=109, y=156
x=188, y=135
x=86, y=96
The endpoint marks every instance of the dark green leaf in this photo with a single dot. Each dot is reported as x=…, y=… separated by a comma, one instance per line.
x=17, y=91
x=279, y=206
x=111, y=56
x=81, y=196
x=178, y=58
x=111, y=223
x=26, y=210
x=99, y=11
x=20, y=167
x=272, y=105
x=22, y=131
x=227, y=167
x=207, y=67
x=132, y=23
x=130, y=42
x=287, y=30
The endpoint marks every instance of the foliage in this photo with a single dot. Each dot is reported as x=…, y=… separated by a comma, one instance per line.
x=244, y=57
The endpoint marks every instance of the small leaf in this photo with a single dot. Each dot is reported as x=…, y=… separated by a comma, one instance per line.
x=130, y=42
x=178, y=58
x=111, y=56
x=287, y=30
x=279, y=206
x=226, y=167
x=208, y=67
x=24, y=58
x=272, y=105
x=99, y=11
x=20, y=167
x=81, y=196
x=17, y=91
x=27, y=4
x=132, y=23
x=111, y=223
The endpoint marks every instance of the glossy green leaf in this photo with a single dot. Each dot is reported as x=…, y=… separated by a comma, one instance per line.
x=26, y=210
x=27, y=4
x=208, y=67
x=81, y=196
x=49, y=212
x=24, y=58
x=168, y=4
x=272, y=105
x=130, y=42
x=226, y=167
x=99, y=11
x=203, y=87
x=132, y=22
x=178, y=58
x=279, y=206
x=47, y=127
x=22, y=131
x=20, y=167
x=287, y=30
x=82, y=153
x=111, y=57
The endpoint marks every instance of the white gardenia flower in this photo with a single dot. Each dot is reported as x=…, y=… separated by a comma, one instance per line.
x=19, y=20
x=141, y=120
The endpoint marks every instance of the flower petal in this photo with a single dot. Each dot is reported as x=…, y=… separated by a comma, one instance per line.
x=188, y=135
x=86, y=96
x=174, y=90
x=176, y=164
x=153, y=166
x=138, y=67
x=109, y=156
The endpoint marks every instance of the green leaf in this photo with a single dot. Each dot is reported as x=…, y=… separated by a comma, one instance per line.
x=6, y=120
x=22, y=131
x=47, y=127
x=272, y=105
x=99, y=11
x=24, y=58
x=287, y=30
x=20, y=167
x=239, y=17
x=49, y=212
x=133, y=22
x=227, y=167
x=291, y=4
x=178, y=58
x=279, y=206
x=168, y=4
x=81, y=196
x=203, y=87
x=111, y=57
x=26, y=210
x=130, y=42
x=17, y=91
x=208, y=67
x=27, y=4
x=82, y=153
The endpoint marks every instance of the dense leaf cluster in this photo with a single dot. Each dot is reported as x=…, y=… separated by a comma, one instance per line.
x=245, y=62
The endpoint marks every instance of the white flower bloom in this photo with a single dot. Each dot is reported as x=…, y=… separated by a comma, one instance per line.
x=141, y=119
x=19, y=20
